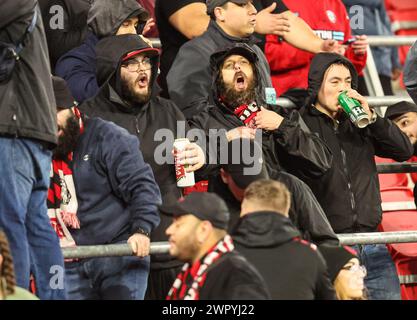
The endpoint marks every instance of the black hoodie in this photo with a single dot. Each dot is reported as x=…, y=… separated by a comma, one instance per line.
x=291, y=146
x=140, y=120
x=349, y=192
x=27, y=102
x=292, y=268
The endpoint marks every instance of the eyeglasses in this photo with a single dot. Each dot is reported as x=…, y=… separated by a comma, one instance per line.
x=356, y=268
x=133, y=65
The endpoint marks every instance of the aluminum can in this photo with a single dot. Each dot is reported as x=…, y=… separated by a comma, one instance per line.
x=354, y=110
x=184, y=179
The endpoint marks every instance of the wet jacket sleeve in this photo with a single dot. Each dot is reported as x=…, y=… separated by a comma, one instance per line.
x=78, y=68
x=131, y=179
x=189, y=81
x=303, y=152
x=389, y=141
x=324, y=288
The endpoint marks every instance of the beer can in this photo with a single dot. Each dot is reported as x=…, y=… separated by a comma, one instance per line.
x=354, y=110
x=184, y=179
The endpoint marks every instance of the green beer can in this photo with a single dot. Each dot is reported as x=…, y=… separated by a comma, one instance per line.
x=354, y=110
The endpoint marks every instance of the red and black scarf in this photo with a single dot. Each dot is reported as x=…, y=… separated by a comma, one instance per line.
x=247, y=113
x=197, y=273
x=62, y=199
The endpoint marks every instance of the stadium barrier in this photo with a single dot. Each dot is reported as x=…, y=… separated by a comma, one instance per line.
x=115, y=250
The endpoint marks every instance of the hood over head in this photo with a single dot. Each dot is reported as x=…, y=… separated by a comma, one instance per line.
x=217, y=59
x=110, y=52
x=264, y=229
x=410, y=73
x=318, y=67
x=106, y=16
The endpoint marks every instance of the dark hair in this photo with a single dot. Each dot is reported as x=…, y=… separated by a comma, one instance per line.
x=212, y=15
x=6, y=269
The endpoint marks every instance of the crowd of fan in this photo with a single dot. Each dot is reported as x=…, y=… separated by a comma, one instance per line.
x=81, y=116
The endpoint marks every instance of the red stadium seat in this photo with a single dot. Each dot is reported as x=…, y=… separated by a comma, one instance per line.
x=403, y=15
x=391, y=179
x=397, y=194
x=403, y=254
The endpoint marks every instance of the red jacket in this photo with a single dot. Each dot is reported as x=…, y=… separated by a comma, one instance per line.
x=289, y=65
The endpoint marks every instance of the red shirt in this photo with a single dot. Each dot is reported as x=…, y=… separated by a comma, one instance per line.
x=289, y=65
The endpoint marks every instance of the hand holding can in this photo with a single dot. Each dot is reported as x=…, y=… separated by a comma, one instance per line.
x=184, y=178
x=354, y=110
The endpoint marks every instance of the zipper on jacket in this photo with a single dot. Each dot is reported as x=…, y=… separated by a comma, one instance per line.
x=137, y=125
x=346, y=172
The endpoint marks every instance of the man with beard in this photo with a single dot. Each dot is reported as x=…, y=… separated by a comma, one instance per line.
x=129, y=66
x=285, y=143
x=105, y=18
x=213, y=270
x=102, y=192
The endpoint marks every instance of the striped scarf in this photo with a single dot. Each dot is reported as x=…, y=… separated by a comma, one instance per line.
x=247, y=113
x=62, y=199
x=180, y=290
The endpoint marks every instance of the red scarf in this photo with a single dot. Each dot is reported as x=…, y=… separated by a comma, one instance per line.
x=62, y=199
x=247, y=113
x=197, y=273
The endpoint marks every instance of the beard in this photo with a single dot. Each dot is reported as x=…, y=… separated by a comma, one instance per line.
x=68, y=140
x=130, y=95
x=233, y=98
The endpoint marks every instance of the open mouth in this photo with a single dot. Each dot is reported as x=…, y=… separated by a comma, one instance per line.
x=143, y=81
x=240, y=82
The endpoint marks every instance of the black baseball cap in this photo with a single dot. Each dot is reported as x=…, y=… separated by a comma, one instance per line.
x=400, y=108
x=242, y=171
x=241, y=49
x=212, y=4
x=63, y=96
x=203, y=205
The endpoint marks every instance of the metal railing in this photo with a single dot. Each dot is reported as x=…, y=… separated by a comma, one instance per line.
x=373, y=83
x=374, y=41
x=398, y=167
x=376, y=102
x=116, y=250
x=391, y=41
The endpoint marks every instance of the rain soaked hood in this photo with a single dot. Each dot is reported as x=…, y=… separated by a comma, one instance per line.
x=106, y=16
x=111, y=50
x=318, y=67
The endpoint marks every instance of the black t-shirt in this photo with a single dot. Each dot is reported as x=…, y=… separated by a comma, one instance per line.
x=171, y=38
x=262, y=4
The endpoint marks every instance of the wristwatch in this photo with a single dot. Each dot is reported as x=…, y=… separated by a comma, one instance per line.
x=145, y=233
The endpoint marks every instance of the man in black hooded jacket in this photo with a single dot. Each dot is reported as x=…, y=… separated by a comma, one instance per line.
x=289, y=147
x=233, y=179
x=349, y=192
x=292, y=267
x=105, y=18
x=128, y=67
